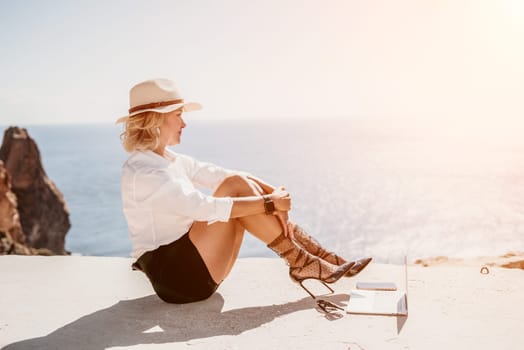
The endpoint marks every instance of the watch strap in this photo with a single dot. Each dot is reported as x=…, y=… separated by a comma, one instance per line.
x=269, y=205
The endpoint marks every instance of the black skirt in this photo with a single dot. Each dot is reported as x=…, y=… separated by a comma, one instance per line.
x=177, y=272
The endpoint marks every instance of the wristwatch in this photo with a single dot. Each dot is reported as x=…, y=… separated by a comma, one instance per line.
x=269, y=205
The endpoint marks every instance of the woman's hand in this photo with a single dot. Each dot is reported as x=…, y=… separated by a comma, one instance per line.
x=291, y=228
x=287, y=225
x=282, y=201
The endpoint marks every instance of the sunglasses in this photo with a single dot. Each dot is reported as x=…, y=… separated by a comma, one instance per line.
x=328, y=307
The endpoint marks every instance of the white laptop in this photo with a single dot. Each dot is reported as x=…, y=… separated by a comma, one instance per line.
x=380, y=302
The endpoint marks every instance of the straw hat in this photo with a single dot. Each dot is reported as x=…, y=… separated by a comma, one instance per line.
x=156, y=95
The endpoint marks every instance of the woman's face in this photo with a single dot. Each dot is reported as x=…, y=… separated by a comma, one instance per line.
x=172, y=127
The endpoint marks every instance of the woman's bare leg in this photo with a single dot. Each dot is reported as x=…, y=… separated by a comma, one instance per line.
x=219, y=243
x=240, y=235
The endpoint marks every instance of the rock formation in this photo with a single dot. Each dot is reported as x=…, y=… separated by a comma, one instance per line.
x=9, y=220
x=44, y=216
x=12, y=239
x=510, y=260
x=11, y=236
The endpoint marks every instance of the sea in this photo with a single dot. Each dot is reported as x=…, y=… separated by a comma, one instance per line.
x=380, y=188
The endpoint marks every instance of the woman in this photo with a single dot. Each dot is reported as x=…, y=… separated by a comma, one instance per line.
x=186, y=242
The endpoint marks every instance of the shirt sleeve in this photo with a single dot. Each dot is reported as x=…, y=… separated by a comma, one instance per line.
x=162, y=193
x=209, y=175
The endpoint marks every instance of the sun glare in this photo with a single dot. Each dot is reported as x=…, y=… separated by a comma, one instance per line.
x=515, y=8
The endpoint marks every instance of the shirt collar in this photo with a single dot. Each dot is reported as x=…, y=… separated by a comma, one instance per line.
x=169, y=154
x=168, y=158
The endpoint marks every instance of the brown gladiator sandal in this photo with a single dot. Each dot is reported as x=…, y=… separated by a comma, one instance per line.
x=303, y=265
x=313, y=246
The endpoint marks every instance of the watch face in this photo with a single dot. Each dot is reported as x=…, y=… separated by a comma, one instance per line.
x=269, y=206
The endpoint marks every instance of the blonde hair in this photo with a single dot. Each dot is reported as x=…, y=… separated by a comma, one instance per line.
x=142, y=132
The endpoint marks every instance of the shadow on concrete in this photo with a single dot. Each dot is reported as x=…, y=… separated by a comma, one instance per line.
x=401, y=320
x=125, y=323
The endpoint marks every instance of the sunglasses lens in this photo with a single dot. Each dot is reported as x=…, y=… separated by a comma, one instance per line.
x=327, y=306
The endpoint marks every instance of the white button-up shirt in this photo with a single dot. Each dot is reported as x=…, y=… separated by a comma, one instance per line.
x=160, y=200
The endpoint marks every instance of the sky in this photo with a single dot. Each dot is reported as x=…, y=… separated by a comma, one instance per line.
x=431, y=61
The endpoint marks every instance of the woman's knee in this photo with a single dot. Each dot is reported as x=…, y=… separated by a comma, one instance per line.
x=235, y=185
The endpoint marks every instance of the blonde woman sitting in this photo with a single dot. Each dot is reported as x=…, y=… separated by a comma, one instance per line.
x=186, y=242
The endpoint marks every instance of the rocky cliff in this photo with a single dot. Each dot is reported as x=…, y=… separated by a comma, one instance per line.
x=12, y=238
x=42, y=211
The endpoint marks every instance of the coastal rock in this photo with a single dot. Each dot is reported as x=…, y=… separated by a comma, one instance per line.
x=12, y=239
x=44, y=216
x=435, y=260
x=9, y=218
x=510, y=260
x=11, y=235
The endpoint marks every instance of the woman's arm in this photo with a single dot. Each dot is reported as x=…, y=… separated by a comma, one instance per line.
x=243, y=206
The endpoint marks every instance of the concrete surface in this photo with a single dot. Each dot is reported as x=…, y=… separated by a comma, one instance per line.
x=78, y=302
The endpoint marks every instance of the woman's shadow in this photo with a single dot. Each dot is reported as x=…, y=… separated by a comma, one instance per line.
x=125, y=323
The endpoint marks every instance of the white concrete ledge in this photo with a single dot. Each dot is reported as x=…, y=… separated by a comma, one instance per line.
x=99, y=303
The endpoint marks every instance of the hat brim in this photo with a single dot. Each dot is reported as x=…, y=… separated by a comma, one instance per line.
x=188, y=107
